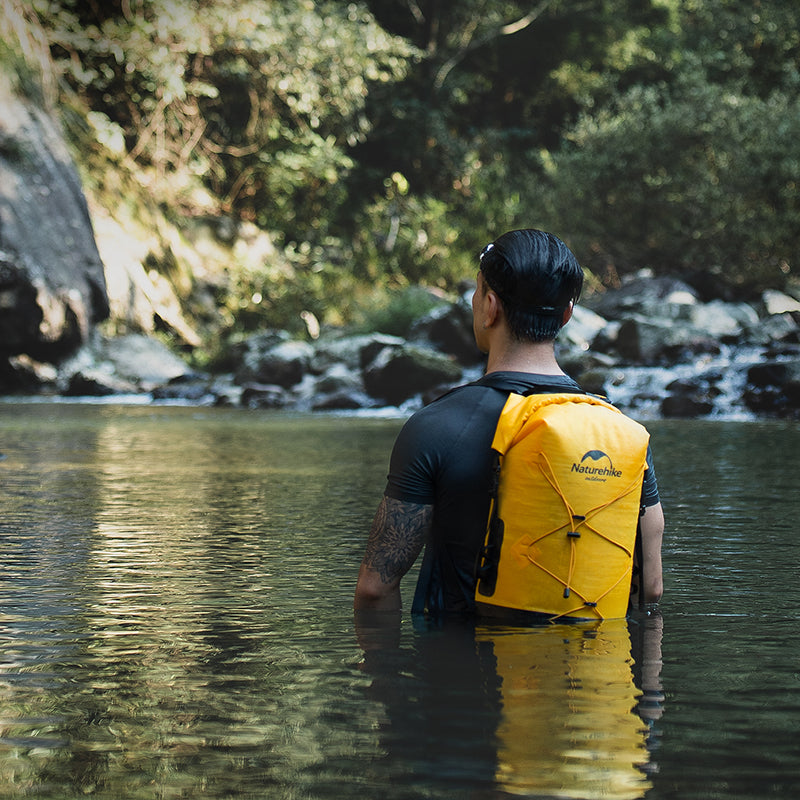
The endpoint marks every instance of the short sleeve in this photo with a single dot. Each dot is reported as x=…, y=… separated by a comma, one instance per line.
x=412, y=466
x=650, y=486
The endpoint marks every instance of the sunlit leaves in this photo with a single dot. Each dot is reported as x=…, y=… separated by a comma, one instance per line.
x=260, y=99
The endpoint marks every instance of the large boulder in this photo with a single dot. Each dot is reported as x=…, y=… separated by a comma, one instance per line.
x=654, y=340
x=121, y=365
x=583, y=328
x=283, y=363
x=52, y=283
x=774, y=387
x=776, y=302
x=772, y=329
x=399, y=373
x=643, y=295
x=723, y=321
x=448, y=328
x=354, y=351
x=690, y=398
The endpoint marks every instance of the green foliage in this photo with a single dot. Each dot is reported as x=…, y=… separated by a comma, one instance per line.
x=754, y=45
x=256, y=102
x=686, y=178
x=379, y=145
x=506, y=74
x=405, y=239
x=24, y=57
x=393, y=312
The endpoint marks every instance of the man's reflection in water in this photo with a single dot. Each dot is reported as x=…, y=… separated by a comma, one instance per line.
x=561, y=710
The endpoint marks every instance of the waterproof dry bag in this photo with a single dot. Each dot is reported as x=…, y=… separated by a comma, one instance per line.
x=565, y=507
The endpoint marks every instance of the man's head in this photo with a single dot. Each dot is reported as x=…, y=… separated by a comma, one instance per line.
x=537, y=278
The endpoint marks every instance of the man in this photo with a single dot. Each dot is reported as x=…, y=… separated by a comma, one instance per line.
x=438, y=486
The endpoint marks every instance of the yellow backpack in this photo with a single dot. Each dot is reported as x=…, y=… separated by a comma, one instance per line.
x=565, y=507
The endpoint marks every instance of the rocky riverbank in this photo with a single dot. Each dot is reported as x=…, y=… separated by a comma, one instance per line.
x=653, y=346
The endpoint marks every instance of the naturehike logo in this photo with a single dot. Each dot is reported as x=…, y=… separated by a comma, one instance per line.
x=600, y=471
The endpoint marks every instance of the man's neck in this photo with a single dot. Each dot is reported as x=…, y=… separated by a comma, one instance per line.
x=534, y=357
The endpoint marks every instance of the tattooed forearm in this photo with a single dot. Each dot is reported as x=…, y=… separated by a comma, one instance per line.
x=398, y=533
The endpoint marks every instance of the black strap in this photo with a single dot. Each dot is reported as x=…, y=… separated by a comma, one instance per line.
x=489, y=555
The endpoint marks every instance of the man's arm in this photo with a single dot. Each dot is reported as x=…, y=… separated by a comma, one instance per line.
x=652, y=532
x=398, y=533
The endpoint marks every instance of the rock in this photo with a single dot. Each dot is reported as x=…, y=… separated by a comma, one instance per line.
x=449, y=329
x=605, y=342
x=724, y=321
x=259, y=395
x=341, y=400
x=355, y=352
x=775, y=328
x=593, y=380
x=283, y=364
x=644, y=295
x=575, y=361
x=138, y=363
x=590, y=369
x=779, y=303
x=398, y=374
x=24, y=375
x=97, y=383
x=140, y=298
x=689, y=398
x=774, y=387
x=225, y=392
x=337, y=378
x=685, y=406
x=583, y=328
x=774, y=373
x=661, y=341
x=143, y=360
x=52, y=283
x=378, y=343
x=188, y=388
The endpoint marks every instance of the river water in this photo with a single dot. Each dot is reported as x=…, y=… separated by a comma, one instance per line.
x=175, y=622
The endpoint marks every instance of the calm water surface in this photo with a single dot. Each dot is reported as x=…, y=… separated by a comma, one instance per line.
x=175, y=622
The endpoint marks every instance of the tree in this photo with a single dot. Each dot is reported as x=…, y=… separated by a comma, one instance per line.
x=469, y=128
x=239, y=111
x=257, y=101
x=697, y=172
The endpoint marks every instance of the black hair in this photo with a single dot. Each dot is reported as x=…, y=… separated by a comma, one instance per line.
x=536, y=276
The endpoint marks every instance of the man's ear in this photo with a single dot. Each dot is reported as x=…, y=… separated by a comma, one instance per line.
x=567, y=313
x=493, y=308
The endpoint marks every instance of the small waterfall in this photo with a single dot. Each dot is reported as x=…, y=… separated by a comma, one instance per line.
x=719, y=380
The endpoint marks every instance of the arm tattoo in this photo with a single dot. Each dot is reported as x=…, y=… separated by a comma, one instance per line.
x=398, y=533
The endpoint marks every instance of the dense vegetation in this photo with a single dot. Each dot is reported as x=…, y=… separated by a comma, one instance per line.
x=380, y=143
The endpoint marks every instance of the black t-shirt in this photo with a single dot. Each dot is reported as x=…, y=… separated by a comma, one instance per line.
x=443, y=457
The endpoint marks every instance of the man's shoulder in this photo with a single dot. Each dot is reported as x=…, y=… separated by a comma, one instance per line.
x=485, y=397
x=455, y=401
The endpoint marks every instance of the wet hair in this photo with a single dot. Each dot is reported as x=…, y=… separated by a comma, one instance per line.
x=536, y=276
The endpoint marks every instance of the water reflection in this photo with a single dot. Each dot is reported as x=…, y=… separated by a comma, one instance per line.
x=175, y=601
x=551, y=711
x=175, y=621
